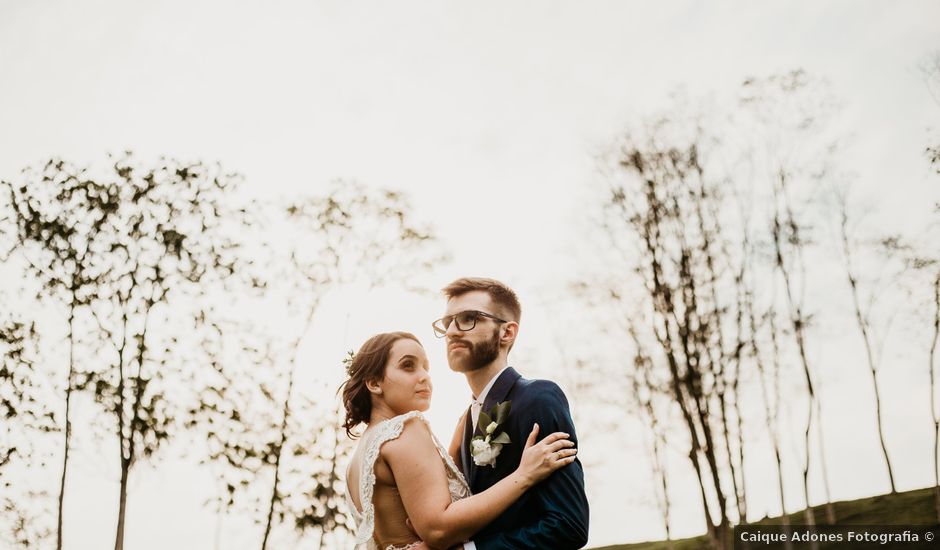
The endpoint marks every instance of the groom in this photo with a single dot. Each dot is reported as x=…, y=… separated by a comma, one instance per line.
x=481, y=323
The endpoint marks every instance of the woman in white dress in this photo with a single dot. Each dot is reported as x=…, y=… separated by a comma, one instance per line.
x=404, y=488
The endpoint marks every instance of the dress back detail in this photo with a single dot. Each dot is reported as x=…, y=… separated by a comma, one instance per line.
x=385, y=431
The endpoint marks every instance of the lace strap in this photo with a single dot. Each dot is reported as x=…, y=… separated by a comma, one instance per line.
x=386, y=431
x=455, y=472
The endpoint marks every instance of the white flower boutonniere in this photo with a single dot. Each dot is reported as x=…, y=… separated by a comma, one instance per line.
x=489, y=441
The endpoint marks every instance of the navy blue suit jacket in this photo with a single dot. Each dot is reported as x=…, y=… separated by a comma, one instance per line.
x=553, y=514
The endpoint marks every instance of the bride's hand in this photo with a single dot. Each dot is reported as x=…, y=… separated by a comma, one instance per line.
x=540, y=459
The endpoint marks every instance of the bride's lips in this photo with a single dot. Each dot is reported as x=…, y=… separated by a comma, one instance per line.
x=425, y=393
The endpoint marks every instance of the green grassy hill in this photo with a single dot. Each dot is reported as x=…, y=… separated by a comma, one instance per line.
x=908, y=508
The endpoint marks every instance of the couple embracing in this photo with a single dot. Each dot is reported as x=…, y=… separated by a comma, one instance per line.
x=510, y=477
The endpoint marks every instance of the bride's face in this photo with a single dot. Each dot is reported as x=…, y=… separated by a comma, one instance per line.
x=407, y=383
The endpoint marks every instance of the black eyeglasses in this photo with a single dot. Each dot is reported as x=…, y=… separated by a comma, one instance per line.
x=465, y=320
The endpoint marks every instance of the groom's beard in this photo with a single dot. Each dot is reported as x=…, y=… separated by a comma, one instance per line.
x=478, y=356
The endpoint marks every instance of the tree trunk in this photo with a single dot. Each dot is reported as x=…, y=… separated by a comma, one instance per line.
x=796, y=320
x=860, y=319
x=641, y=376
x=135, y=420
x=881, y=430
x=659, y=471
x=277, y=462
x=724, y=525
x=830, y=509
x=933, y=395
x=734, y=470
x=771, y=414
x=285, y=416
x=709, y=522
x=68, y=422
x=122, y=506
x=125, y=452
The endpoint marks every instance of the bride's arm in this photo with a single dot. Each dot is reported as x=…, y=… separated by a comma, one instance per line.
x=422, y=484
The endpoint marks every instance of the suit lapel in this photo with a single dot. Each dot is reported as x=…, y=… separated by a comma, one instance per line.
x=465, y=458
x=497, y=394
x=500, y=388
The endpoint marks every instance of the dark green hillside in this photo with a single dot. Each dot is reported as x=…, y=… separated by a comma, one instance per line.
x=908, y=508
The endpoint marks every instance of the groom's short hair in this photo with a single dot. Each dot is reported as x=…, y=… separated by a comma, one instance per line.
x=501, y=295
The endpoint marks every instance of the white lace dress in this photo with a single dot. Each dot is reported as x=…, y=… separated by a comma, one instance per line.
x=386, y=431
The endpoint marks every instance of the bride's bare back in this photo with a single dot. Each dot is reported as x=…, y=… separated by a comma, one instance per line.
x=403, y=473
x=390, y=514
x=385, y=519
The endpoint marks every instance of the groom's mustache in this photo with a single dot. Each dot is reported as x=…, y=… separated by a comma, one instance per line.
x=455, y=341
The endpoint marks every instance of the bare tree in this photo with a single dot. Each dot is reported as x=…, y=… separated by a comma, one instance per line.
x=58, y=213
x=277, y=448
x=772, y=412
x=351, y=234
x=694, y=261
x=790, y=109
x=26, y=418
x=235, y=408
x=176, y=238
x=863, y=312
x=926, y=264
x=132, y=249
x=680, y=246
x=645, y=390
x=933, y=393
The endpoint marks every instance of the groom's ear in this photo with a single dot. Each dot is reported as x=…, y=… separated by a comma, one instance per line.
x=511, y=330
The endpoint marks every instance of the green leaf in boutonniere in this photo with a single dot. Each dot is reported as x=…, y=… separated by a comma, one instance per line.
x=483, y=421
x=485, y=446
x=502, y=439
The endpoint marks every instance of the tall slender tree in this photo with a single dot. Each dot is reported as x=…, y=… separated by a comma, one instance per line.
x=646, y=390
x=790, y=113
x=58, y=213
x=132, y=249
x=934, y=414
x=664, y=180
x=863, y=318
x=177, y=240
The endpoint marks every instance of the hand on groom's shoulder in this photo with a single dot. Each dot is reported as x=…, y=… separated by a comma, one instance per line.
x=555, y=513
x=544, y=402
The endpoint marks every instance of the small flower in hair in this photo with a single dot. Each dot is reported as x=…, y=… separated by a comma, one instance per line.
x=348, y=362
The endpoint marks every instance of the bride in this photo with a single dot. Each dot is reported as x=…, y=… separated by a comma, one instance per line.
x=403, y=487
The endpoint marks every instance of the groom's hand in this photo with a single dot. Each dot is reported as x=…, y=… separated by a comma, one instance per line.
x=456, y=441
x=423, y=546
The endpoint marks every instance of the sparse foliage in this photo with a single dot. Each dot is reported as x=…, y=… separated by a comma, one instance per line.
x=285, y=467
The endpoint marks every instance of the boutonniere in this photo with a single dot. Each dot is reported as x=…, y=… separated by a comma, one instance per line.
x=490, y=438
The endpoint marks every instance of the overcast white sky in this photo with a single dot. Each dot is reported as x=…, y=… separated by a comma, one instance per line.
x=489, y=114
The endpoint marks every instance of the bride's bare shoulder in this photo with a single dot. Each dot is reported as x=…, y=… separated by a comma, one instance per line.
x=415, y=436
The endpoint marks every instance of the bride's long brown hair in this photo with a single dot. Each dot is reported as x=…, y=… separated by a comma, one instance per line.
x=367, y=365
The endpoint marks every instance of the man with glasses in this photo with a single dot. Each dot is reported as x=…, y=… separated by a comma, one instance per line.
x=481, y=323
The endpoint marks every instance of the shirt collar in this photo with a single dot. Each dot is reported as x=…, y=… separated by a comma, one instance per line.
x=489, y=385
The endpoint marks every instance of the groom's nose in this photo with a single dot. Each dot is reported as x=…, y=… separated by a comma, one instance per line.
x=452, y=328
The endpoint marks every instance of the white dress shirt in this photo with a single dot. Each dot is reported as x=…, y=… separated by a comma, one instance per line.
x=475, y=408
x=477, y=404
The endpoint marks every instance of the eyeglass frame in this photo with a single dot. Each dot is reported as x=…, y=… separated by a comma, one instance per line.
x=453, y=319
